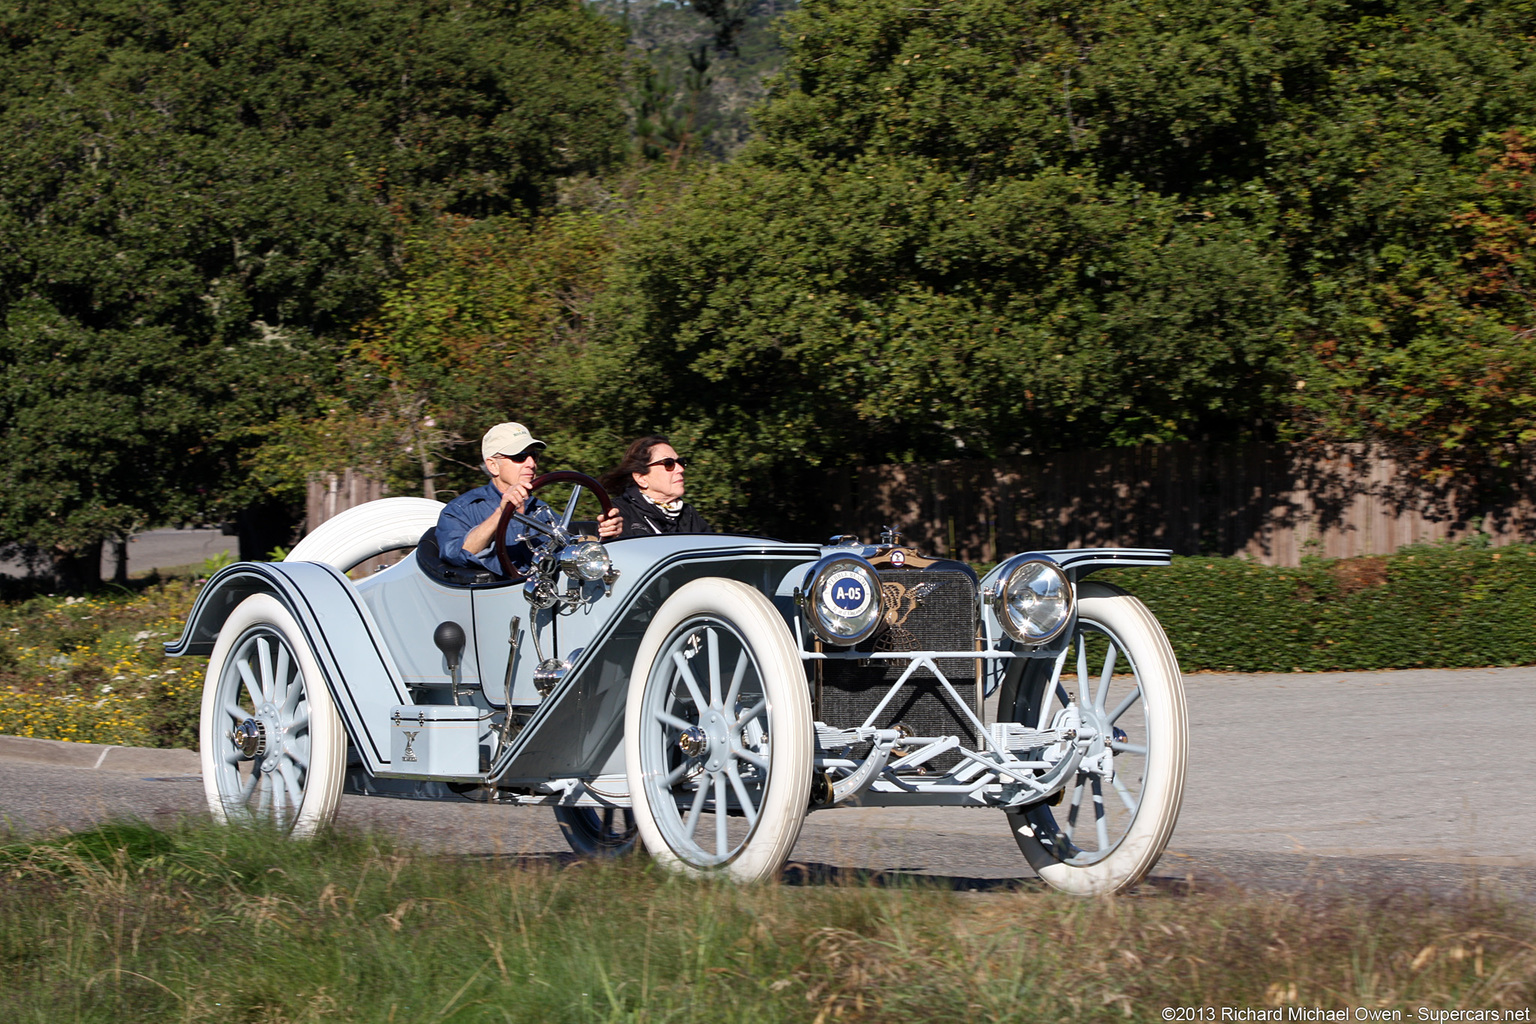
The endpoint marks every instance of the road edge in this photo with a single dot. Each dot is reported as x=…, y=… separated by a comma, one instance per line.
x=174, y=761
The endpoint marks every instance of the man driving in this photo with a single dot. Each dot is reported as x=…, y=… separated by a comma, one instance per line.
x=467, y=525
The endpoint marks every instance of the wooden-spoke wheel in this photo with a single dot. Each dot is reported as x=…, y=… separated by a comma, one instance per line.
x=1121, y=683
x=718, y=738
x=273, y=747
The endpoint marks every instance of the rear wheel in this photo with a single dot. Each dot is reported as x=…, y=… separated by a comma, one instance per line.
x=1118, y=813
x=718, y=734
x=273, y=746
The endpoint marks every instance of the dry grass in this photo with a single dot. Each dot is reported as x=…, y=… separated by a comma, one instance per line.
x=205, y=924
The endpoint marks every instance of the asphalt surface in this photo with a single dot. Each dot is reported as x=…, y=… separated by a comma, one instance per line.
x=1413, y=781
x=156, y=549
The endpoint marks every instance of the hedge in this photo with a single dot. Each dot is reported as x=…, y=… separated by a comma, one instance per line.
x=1425, y=607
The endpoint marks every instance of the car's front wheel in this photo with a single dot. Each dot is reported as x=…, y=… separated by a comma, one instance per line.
x=1121, y=685
x=273, y=745
x=718, y=737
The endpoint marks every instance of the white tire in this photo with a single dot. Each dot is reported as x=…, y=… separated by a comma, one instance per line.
x=367, y=530
x=273, y=746
x=1111, y=827
x=719, y=719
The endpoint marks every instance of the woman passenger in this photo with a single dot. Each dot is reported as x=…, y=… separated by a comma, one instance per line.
x=647, y=488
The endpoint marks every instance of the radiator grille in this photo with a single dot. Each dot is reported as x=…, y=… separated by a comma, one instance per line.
x=937, y=612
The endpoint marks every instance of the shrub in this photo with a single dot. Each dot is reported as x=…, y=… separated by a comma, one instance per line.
x=1428, y=606
x=91, y=669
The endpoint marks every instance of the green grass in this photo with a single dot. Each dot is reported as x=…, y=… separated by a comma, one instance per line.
x=128, y=923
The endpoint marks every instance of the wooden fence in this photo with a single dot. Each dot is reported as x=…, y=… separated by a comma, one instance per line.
x=1272, y=503
x=332, y=493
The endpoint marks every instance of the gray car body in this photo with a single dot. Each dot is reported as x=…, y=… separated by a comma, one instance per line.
x=373, y=639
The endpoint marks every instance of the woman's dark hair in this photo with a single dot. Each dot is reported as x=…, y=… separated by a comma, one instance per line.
x=637, y=459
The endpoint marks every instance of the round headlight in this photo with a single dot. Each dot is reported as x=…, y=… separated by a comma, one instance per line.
x=841, y=600
x=1034, y=601
x=588, y=560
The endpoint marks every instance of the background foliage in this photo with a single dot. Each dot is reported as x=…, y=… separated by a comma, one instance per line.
x=244, y=244
x=199, y=200
x=465, y=339
x=697, y=70
x=989, y=226
x=1428, y=606
x=91, y=668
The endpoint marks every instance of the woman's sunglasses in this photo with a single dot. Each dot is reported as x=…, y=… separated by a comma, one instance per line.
x=669, y=463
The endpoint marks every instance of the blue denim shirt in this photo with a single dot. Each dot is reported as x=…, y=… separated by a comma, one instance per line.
x=472, y=508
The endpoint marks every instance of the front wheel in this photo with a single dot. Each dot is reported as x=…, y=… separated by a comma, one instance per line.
x=1118, y=813
x=272, y=744
x=718, y=740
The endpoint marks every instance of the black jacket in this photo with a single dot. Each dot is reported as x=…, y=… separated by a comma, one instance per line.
x=643, y=519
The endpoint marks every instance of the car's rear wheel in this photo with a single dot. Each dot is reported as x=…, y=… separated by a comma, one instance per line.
x=1119, y=811
x=718, y=737
x=273, y=746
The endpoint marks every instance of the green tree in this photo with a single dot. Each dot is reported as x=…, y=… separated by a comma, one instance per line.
x=1431, y=351
x=480, y=326
x=196, y=198
x=697, y=71
x=987, y=226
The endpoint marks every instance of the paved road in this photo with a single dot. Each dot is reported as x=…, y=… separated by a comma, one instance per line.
x=1399, y=779
x=157, y=549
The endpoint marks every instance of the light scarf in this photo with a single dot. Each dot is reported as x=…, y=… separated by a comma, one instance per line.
x=670, y=508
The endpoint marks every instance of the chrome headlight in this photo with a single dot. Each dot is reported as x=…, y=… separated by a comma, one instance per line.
x=1033, y=601
x=841, y=600
x=588, y=560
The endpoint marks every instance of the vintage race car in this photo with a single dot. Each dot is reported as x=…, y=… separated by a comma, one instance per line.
x=699, y=694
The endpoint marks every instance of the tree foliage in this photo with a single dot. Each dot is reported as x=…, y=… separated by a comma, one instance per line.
x=697, y=71
x=967, y=228
x=478, y=330
x=196, y=198
x=1434, y=353
x=983, y=226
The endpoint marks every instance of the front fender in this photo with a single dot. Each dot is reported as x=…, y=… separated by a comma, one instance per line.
x=359, y=670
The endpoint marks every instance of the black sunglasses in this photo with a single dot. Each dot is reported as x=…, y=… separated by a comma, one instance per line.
x=669, y=463
x=521, y=456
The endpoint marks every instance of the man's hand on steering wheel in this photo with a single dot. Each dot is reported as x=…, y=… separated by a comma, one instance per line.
x=516, y=496
x=609, y=524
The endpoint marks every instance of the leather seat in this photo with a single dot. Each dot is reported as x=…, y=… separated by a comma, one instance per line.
x=431, y=561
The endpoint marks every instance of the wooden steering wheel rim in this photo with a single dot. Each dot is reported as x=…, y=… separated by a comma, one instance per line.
x=562, y=476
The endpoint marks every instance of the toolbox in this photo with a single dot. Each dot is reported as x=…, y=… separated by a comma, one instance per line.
x=434, y=740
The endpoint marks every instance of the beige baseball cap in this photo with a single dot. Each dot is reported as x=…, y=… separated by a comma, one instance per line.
x=507, y=439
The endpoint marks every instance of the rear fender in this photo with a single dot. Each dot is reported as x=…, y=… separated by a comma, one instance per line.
x=359, y=670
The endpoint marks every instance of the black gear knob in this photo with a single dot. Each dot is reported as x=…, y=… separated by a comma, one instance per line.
x=449, y=637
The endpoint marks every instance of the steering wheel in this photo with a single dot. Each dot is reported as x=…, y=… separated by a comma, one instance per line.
x=564, y=476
